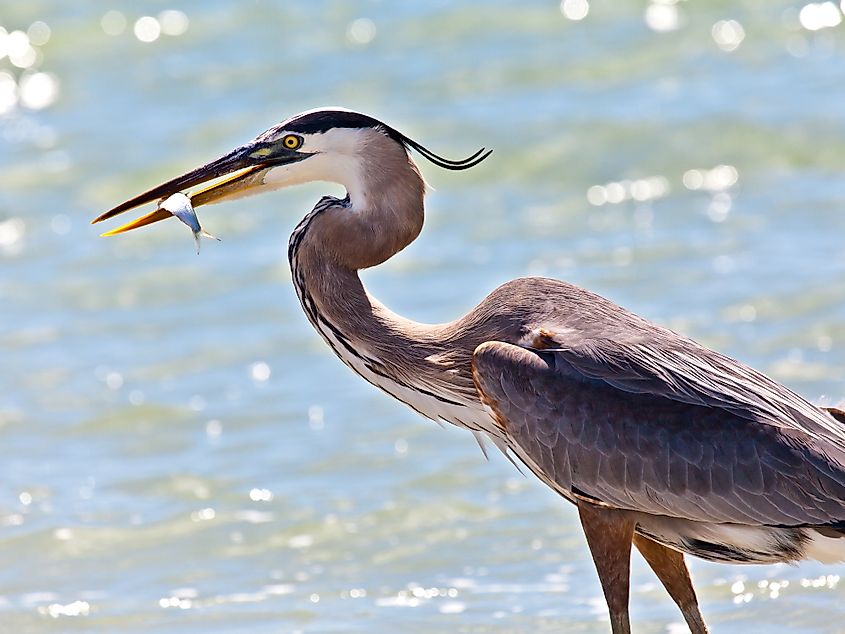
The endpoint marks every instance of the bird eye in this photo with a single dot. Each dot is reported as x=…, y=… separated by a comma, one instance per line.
x=292, y=141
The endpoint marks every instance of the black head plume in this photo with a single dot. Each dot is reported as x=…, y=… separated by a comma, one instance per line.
x=316, y=121
x=464, y=164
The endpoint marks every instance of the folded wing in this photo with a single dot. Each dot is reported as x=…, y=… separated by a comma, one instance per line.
x=670, y=429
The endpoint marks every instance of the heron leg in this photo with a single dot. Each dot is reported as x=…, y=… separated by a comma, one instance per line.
x=671, y=569
x=609, y=533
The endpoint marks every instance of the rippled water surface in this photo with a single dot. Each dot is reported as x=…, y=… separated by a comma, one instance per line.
x=180, y=452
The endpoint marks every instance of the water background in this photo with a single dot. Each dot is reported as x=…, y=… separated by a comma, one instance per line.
x=181, y=453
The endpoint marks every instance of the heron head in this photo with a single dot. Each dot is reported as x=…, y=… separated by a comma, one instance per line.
x=327, y=144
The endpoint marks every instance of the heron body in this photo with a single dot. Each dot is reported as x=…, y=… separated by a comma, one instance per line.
x=659, y=441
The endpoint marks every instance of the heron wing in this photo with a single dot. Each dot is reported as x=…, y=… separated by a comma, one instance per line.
x=671, y=429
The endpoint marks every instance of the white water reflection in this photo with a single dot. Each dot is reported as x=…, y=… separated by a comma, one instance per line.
x=728, y=35
x=113, y=22
x=147, y=29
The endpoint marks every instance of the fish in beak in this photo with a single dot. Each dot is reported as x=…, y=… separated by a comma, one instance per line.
x=180, y=206
x=241, y=172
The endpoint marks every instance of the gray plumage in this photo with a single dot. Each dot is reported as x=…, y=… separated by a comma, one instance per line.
x=659, y=441
x=637, y=417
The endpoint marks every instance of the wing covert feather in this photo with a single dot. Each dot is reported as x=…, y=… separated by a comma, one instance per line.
x=635, y=433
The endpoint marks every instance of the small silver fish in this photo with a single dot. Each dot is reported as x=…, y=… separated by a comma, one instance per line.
x=180, y=206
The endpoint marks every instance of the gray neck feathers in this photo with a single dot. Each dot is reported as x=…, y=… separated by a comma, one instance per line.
x=340, y=237
x=337, y=239
x=386, y=215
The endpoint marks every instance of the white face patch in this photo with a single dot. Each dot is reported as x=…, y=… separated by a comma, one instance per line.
x=335, y=158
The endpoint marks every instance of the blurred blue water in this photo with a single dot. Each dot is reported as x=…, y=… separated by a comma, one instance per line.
x=181, y=453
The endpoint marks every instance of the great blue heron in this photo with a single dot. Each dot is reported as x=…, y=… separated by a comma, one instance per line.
x=657, y=440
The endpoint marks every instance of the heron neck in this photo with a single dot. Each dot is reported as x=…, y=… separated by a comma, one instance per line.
x=384, y=213
x=364, y=333
x=332, y=293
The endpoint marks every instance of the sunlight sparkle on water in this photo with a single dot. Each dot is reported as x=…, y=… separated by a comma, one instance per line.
x=33, y=90
x=175, y=602
x=728, y=35
x=260, y=371
x=38, y=33
x=203, y=515
x=662, y=16
x=63, y=534
x=300, y=541
x=76, y=608
x=21, y=53
x=315, y=417
x=213, y=428
x=416, y=595
x=819, y=15
x=824, y=581
x=719, y=178
x=173, y=22
x=113, y=22
x=38, y=90
x=575, y=9
x=720, y=207
x=361, y=31
x=147, y=29
x=640, y=190
x=261, y=495
x=11, y=232
x=114, y=380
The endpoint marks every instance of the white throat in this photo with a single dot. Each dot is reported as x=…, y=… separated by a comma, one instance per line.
x=335, y=158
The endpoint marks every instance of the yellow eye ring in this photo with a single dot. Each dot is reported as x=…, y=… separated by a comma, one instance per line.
x=292, y=141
